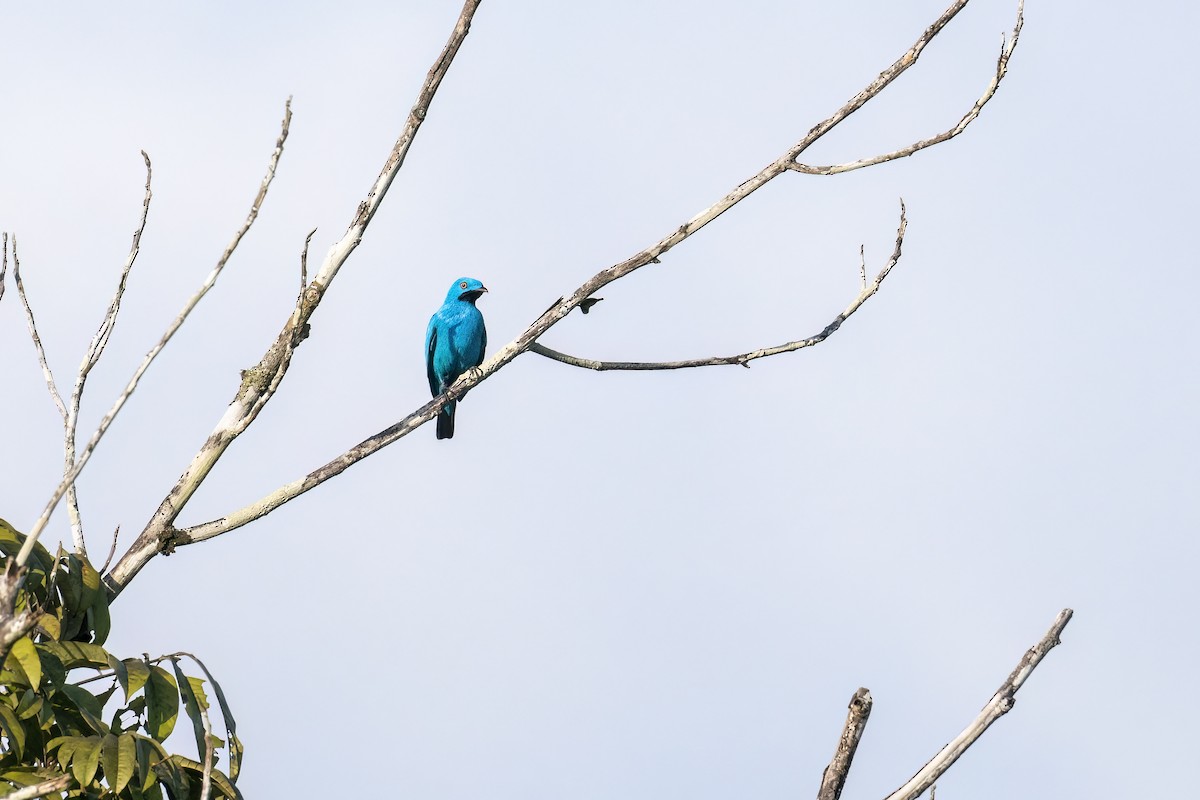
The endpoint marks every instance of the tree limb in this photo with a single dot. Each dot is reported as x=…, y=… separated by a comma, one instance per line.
x=14, y=624
x=1007, y=46
x=69, y=479
x=742, y=359
x=52, y=786
x=168, y=537
x=31, y=324
x=856, y=722
x=3, y=263
x=260, y=383
x=1000, y=704
x=90, y=359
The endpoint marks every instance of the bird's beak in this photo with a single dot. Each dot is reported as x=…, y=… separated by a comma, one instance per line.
x=483, y=288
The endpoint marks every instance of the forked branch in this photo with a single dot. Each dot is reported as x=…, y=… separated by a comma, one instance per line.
x=1000, y=704
x=834, y=779
x=743, y=359
x=170, y=537
x=69, y=478
x=260, y=383
x=92, y=357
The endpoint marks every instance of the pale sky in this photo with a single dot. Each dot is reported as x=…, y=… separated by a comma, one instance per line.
x=650, y=585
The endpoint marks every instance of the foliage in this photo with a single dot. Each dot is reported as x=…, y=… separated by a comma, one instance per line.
x=53, y=724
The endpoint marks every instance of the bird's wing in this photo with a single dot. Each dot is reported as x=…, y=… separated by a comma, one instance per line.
x=431, y=336
x=482, y=343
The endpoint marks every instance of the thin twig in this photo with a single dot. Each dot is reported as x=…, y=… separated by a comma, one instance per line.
x=92, y=357
x=1000, y=704
x=743, y=359
x=1007, y=46
x=112, y=550
x=3, y=263
x=31, y=324
x=834, y=778
x=69, y=478
x=304, y=262
x=260, y=382
x=160, y=535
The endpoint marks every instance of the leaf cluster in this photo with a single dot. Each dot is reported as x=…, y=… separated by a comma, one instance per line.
x=106, y=728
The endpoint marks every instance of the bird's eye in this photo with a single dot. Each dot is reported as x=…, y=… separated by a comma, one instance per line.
x=462, y=285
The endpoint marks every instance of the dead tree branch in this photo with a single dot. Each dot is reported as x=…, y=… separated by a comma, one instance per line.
x=834, y=778
x=260, y=383
x=69, y=479
x=92, y=357
x=3, y=263
x=13, y=623
x=1007, y=46
x=31, y=324
x=47, y=787
x=168, y=537
x=1000, y=704
x=743, y=359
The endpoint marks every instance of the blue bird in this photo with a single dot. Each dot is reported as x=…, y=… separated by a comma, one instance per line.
x=454, y=343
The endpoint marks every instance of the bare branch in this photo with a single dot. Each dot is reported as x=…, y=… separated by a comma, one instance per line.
x=856, y=722
x=260, y=383
x=119, y=403
x=112, y=549
x=31, y=324
x=743, y=359
x=160, y=535
x=1000, y=704
x=90, y=358
x=304, y=262
x=3, y=263
x=48, y=787
x=1007, y=46
x=13, y=623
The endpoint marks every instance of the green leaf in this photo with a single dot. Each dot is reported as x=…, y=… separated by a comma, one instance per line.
x=54, y=674
x=118, y=758
x=50, y=626
x=191, y=704
x=30, y=704
x=109, y=760
x=85, y=760
x=126, y=762
x=154, y=791
x=139, y=673
x=66, y=748
x=77, y=654
x=13, y=729
x=14, y=673
x=96, y=598
x=70, y=589
x=24, y=652
x=162, y=703
x=90, y=707
x=219, y=781
x=149, y=753
x=122, y=673
x=171, y=776
x=27, y=776
x=236, y=750
x=11, y=542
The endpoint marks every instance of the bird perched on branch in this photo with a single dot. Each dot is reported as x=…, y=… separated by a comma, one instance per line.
x=454, y=343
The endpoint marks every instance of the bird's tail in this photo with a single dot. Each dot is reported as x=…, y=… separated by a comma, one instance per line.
x=445, y=422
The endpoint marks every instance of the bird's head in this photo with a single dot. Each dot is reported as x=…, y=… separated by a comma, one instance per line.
x=467, y=289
